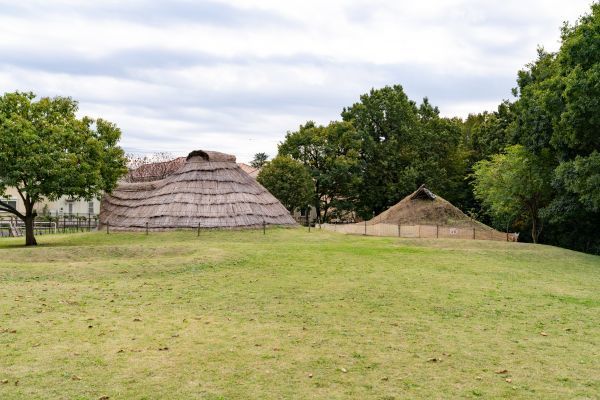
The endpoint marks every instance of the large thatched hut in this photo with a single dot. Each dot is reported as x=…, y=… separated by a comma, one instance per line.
x=208, y=190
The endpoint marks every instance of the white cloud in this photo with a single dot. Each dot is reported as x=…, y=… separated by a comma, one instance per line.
x=235, y=75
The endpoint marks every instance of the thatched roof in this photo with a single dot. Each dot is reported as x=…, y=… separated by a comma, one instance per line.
x=423, y=207
x=154, y=171
x=423, y=193
x=159, y=170
x=209, y=189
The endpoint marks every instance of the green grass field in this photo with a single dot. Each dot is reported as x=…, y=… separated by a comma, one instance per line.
x=292, y=314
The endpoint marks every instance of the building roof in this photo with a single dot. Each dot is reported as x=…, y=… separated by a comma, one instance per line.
x=423, y=193
x=250, y=170
x=160, y=170
x=154, y=171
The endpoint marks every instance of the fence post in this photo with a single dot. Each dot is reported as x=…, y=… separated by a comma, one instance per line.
x=107, y=228
x=399, y=230
x=437, y=231
x=77, y=223
x=89, y=222
x=198, y=229
x=264, y=227
x=146, y=227
x=64, y=223
x=365, y=228
x=419, y=231
x=473, y=233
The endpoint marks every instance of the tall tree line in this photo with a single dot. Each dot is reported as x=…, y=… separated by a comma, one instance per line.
x=533, y=164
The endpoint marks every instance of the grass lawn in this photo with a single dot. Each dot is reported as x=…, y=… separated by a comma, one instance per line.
x=292, y=314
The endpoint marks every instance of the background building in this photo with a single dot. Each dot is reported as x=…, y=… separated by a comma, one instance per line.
x=62, y=206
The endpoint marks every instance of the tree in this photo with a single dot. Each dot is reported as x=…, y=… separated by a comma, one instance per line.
x=387, y=123
x=47, y=152
x=289, y=181
x=581, y=177
x=330, y=153
x=260, y=159
x=560, y=93
x=402, y=146
x=490, y=134
x=557, y=113
x=442, y=160
x=515, y=184
x=483, y=135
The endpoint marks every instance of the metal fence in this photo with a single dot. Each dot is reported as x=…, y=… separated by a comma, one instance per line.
x=11, y=226
x=419, y=231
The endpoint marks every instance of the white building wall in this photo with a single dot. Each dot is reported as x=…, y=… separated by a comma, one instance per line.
x=11, y=195
x=65, y=206
x=59, y=207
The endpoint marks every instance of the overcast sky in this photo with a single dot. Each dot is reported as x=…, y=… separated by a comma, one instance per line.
x=235, y=75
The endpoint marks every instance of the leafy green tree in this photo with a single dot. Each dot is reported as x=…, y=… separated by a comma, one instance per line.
x=491, y=133
x=516, y=184
x=47, y=152
x=330, y=153
x=289, y=181
x=260, y=159
x=574, y=213
x=386, y=121
x=442, y=159
x=557, y=113
x=581, y=177
x=402, y=146
x=483, y=135
x=559, y=94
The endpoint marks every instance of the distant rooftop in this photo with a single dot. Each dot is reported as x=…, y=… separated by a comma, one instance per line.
x=160, y=170
x=250, y=170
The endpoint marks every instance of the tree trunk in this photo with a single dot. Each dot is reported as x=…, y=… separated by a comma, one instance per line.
x=533, y=214
x=29, y=234
x=318, y=208
x=317, y=201
x=534, y=231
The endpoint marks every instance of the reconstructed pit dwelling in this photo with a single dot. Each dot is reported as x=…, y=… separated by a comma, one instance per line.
x=423, y=207
x=209, y=190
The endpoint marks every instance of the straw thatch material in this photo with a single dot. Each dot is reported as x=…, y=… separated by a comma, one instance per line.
x=154, y=171
x=422, y=207
x=209, y=190
x=160, y=170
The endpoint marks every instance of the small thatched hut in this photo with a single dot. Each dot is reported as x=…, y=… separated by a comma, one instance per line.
x=208, y=190
x=423, y=207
